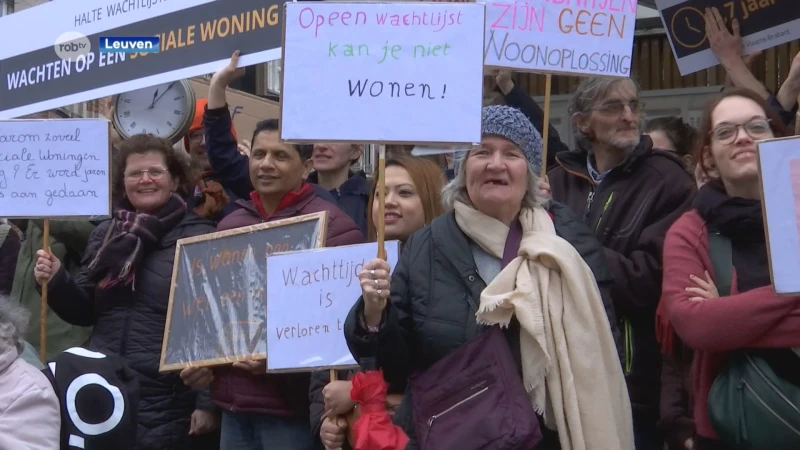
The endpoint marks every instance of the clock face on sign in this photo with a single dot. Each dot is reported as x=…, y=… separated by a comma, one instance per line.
x=688, y=27
x=165, y=110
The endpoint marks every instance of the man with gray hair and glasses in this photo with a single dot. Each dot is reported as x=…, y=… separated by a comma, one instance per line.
x=630, y=194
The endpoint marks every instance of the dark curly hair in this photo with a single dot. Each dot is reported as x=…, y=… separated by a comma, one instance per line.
x=681, y=134
x=178, y=167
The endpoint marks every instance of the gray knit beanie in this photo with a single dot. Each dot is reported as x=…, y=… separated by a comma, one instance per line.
x=512, y=124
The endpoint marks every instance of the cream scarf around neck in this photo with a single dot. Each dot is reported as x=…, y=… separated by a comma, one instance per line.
x=570, y=365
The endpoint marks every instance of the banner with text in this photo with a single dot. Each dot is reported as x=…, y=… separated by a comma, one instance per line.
x=193, y=41
x=36, y=28
x=309, y=295
x=762, y=23
x=218, y=301
x=583, y=38
x=393, y=72
x=56, y=168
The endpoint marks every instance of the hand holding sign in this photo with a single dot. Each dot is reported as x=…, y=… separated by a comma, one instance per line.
x=375, y=283
x=221, y=79
x=229, y=73
x=47, y=265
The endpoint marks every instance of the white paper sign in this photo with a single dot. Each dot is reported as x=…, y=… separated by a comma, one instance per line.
x=779, y=163
x=309, y=295
x=552, y=36
x=54, y=168
x=383, y=72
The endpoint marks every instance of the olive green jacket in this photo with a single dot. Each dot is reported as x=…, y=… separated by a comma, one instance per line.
x=68, y=241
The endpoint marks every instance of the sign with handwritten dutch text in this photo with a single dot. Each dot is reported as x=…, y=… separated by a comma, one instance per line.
x=393, y=72
x=762, y=24
x=55, y=168
x=558, y=36
x=217, y=305
x=308, y=297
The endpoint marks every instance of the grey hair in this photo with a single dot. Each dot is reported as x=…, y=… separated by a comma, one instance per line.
x=456, y=190
x=589, y=93
x=14, y=321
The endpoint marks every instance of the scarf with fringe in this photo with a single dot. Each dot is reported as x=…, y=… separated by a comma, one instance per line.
x=570, y=365
x=132, y=236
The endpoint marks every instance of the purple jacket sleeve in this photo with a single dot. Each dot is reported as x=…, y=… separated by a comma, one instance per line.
x=229, y=166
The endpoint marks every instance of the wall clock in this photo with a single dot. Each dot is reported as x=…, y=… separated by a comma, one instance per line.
x=165, y=110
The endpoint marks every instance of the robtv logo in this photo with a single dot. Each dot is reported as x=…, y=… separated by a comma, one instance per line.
x=109, y=44
x=72, y=45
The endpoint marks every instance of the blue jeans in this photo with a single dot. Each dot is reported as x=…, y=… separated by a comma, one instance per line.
x=264, y=432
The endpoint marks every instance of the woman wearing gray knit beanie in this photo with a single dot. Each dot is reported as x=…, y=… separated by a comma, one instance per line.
x=501, y=257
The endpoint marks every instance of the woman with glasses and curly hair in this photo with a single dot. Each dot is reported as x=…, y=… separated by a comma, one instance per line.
x=122, y=289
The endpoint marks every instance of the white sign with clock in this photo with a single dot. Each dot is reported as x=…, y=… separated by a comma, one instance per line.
x=165, y=110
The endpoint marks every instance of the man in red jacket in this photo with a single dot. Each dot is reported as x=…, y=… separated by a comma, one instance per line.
x=262, y=411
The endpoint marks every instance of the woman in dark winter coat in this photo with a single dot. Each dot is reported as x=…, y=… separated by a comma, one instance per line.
x=123, y=286
x=490, y=240
x=413, y=200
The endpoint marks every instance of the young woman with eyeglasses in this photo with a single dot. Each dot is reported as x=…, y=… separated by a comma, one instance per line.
x=729, y=204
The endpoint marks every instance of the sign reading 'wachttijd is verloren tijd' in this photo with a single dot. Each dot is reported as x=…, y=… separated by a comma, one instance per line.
x=194, y=41
x=218, y=300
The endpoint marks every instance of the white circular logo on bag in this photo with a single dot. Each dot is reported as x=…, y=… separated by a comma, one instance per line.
x=71, y=45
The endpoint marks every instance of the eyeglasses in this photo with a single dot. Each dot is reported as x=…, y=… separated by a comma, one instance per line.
x=155, y=173
x=617, y=107
x=757, y=129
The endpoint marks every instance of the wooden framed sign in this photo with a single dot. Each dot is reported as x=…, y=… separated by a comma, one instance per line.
x=217, y=304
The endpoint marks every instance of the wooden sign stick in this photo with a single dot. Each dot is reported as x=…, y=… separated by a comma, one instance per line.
x=381, y=225
x=546, y=123
x=43, y=312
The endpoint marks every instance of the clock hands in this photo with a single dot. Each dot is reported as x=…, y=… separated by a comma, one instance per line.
x=155, y=94
x=689, y=26
x=159, y=98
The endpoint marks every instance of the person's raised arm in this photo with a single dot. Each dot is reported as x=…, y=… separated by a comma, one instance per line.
x=727, y=48
x=756, y=318
x=228, y=164
x=790, y=90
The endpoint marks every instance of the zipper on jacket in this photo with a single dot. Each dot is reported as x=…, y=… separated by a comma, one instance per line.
x=766, y=407
x=606, y=206
x=589, y=201
x=628, y=333
x=442, y=413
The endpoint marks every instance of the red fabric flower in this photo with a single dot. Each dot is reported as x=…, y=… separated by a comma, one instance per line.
x=374, y=429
